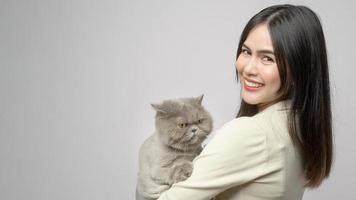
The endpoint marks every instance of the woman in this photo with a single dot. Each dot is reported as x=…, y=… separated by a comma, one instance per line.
x=281, y=140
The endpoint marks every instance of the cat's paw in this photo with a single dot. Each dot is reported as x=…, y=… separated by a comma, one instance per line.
x=154, y=192
x=182, y=171
x=158, y=191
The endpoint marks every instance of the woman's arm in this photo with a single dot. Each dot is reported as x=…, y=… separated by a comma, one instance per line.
x=236, y=155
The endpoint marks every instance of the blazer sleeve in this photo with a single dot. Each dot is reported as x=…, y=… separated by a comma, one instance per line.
x=236, y=155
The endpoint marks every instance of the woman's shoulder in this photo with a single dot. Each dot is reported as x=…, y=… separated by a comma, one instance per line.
x=274, y=123
x=268, y=123
x=239, y=129
x=239, y=123
x=277, y=110
x=238, y=140
x=274, y=116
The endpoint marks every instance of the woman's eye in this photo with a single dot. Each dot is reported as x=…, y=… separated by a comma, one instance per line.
x=245, y=52
x=268, y=59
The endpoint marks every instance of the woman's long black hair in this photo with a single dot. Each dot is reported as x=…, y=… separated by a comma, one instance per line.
x=300, y=51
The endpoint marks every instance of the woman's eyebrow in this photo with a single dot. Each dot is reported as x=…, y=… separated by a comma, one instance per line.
x=244, y=45
x=262, y=51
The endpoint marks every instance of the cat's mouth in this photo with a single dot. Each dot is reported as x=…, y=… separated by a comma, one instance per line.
x=192, y=135
x=189, y=137
x=192, y=138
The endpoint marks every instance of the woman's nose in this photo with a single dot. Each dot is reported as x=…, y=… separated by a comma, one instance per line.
x=251, y=66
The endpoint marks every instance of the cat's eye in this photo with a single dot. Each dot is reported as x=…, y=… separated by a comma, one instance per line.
x=200, y=121
x=182, y=125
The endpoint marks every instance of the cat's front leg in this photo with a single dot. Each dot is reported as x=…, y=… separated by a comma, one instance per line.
x=181, y=171
x=162, y=175
x=155, y=192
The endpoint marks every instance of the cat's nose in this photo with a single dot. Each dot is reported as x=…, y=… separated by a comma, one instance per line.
x=194, y=130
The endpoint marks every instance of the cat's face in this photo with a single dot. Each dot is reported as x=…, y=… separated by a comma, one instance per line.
x=183, y=123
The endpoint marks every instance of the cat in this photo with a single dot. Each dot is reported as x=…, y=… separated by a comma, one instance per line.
x=166, y=156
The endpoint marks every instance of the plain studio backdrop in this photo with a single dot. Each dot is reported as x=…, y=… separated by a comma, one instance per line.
x=77, y=79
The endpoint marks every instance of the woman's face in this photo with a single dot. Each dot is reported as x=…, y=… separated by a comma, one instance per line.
x=257, y=69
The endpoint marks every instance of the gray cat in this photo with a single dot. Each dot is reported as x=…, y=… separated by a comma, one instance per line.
x=166, y=156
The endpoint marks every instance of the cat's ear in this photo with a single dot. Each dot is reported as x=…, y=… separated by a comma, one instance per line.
x=183, y=107
x=199, y=99
x=159, y=108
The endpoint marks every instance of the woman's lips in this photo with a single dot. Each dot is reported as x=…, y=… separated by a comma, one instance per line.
x=252, y=86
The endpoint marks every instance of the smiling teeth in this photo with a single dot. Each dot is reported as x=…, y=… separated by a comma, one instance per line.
x=251, y=84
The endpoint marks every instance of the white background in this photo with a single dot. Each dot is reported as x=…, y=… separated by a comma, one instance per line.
x=77, y=79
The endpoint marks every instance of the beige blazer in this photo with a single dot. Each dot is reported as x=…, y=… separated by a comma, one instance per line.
x=249, y=158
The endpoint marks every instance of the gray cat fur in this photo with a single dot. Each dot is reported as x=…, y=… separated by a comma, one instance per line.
x=166, y=156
